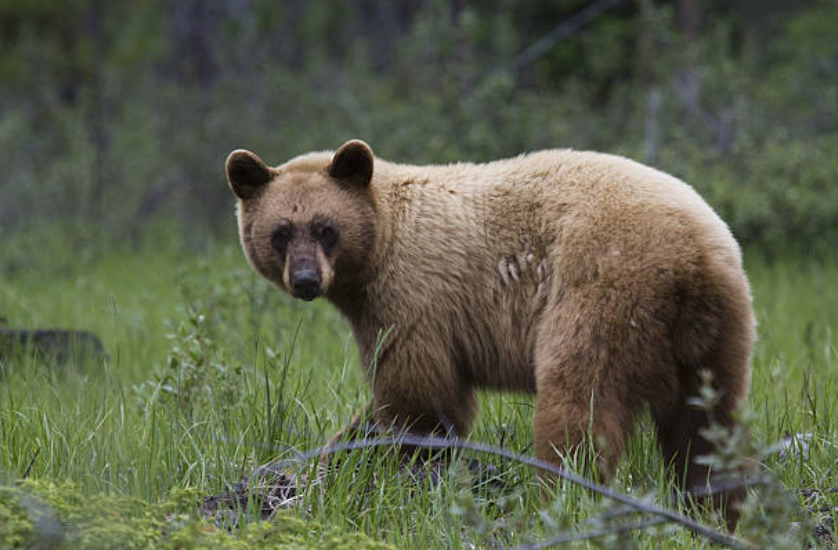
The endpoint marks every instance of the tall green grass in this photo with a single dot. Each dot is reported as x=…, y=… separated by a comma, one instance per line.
x=212, y=372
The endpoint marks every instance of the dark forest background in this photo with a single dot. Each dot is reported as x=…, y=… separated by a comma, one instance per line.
x=116, y=117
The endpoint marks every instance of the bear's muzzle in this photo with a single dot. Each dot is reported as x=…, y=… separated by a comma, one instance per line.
x=305, y=283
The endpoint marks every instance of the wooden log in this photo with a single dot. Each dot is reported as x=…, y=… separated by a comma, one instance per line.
x=59, y=345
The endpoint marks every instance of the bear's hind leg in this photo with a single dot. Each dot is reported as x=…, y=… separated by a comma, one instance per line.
x=586, y=362
x=564, y=426
x=715, y=333
x=679, y=434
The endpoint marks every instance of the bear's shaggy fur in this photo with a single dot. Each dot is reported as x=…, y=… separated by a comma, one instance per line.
x=596, y=282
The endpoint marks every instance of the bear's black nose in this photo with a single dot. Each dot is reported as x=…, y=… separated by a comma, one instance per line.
x=306, y=284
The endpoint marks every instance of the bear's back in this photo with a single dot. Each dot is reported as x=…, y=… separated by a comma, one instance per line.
x=554, y=198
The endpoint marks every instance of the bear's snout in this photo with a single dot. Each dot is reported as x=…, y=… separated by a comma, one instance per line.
x=305, y=283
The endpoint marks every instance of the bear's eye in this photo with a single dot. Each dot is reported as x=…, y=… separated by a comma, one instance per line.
x=280, y=238
x=327, y=234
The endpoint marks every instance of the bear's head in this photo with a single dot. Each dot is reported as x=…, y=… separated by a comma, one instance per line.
x=309, y=225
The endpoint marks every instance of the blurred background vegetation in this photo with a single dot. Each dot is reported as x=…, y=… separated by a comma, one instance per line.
x=116, y=117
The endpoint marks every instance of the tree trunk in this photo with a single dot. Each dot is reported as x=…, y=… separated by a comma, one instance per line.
x=650, y=77
x=95, y=111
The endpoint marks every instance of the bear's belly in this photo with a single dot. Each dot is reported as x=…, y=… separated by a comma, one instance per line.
x=497, y=352
x=504, y=375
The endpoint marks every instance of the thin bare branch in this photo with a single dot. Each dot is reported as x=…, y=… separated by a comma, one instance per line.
x=566, y=537
x=440, y=443
x=31, y=463
x=562, y=30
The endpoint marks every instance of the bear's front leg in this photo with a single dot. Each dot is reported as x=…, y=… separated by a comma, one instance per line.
x=416, y=389
x=417, y=386
x=348, y=432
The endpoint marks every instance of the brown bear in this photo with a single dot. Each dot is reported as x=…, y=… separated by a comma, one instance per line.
x=594, y=281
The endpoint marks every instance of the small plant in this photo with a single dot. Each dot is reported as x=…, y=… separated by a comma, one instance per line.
x=194, y=373
x=771, y=515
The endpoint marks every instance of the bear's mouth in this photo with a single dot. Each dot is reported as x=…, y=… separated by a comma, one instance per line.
x=307, y=295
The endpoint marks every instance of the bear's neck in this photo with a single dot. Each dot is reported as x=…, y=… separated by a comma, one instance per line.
x=350, y=298
x=364, y=293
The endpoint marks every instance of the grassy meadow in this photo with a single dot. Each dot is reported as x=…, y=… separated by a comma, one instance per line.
x=211, y=373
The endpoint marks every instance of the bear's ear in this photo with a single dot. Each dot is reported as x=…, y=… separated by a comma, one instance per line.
x=246, y=173
x=353, y=161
